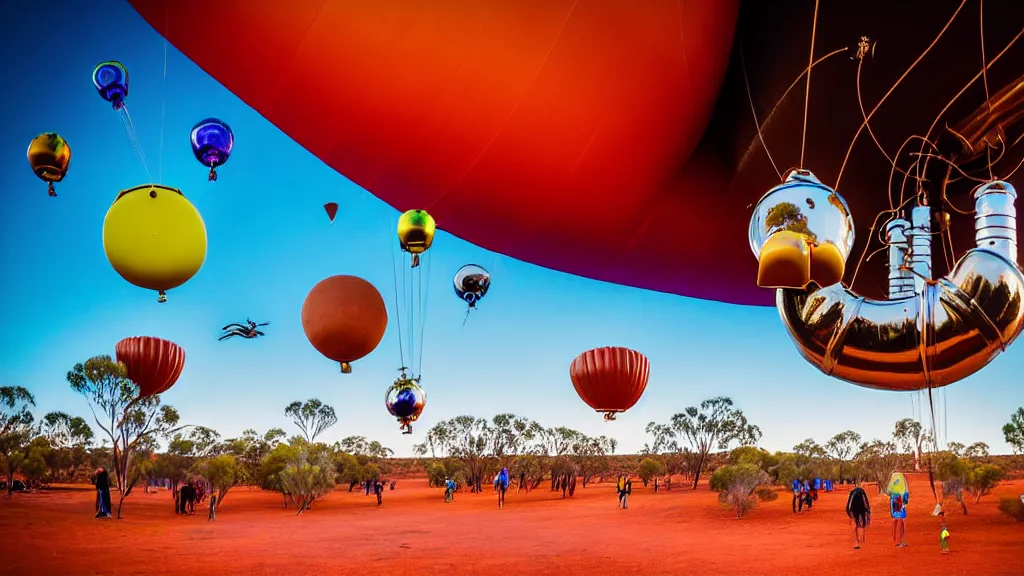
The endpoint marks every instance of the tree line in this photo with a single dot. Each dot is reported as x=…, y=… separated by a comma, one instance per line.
x=712, y=437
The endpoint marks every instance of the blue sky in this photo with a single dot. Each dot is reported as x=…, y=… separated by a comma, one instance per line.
x=270, y=242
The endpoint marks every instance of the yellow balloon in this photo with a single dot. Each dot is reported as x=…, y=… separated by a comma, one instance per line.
x=154, y=238
x=416, y=233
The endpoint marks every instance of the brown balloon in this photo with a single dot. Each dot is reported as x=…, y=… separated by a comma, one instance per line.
x=344, y=319
x=153, y=364
x=610, y=379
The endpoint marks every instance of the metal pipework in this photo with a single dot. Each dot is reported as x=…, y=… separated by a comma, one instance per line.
x=920, y=235
x=953, y=328
x=901, y=280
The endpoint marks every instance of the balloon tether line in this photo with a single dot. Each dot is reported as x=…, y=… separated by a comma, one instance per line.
x=394, y=276
x=807, y=90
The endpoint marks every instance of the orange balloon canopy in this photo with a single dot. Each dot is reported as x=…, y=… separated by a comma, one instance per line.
x=344, y=319
x=153, y=364
x=553, y=131
x=610, y=379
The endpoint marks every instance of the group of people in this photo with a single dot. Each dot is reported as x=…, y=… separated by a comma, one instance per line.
x=805, y=492
x=858, y=508
x=377, y=486
x=189, y=495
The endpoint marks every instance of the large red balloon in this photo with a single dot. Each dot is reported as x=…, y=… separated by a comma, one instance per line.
x=610, y=379
x=554, y=131
x=344, y=319
x=152, y=363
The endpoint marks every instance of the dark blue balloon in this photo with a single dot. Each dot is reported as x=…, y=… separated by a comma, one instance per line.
x=212, y=141
x=404, y=404
x=111, y=80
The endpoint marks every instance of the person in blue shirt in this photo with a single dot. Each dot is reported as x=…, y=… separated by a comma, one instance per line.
x=796, y=494
x=501, y=486
x=449, y=489
x=898, y=511
x=815, y=487
x=805, y=493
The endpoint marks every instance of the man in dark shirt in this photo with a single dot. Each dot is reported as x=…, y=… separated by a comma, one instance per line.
x=858, y=508
x=102, y=482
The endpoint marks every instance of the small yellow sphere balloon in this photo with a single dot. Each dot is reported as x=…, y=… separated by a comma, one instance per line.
x=416, y=233
x=154, y=238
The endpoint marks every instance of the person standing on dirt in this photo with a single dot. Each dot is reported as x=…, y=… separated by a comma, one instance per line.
x=627, y=489
x=378, y=490
x=620, y=487
x=898, y=511
x=815, y=487
x=213, y=508
x=858, y=508
x=102, y=481
x=806, y=493
x=655, y=484
x=796, y=496
x=449, y=490
x=501, y=482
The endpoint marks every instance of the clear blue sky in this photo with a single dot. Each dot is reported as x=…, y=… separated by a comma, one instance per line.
x=270, y=242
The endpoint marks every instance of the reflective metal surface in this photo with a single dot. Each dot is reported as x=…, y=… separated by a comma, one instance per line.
x=995, y=219
x=901, y=279
x=952, y=329
x=801, y=231
x=920, y=237
x=405, y=400
x=472, y=283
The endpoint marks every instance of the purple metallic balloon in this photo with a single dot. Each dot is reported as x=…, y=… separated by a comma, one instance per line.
x=212, y=141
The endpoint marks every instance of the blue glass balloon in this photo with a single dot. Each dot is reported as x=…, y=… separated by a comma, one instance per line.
x=212, y=141
x=404, y=404
x=111, y=80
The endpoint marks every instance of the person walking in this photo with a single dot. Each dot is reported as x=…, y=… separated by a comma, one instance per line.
x=898, y=511
x=378, y=490
x=628, y=489
x=858, y=508
x=213, y=508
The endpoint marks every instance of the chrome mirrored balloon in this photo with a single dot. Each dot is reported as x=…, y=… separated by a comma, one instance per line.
x=212, y=142
x=472, y=283
x=111, y=81
x=801, y=231
x=405, y=400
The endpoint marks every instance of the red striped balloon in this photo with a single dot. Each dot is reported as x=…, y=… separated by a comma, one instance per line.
x=153, y=364
x=610, y=379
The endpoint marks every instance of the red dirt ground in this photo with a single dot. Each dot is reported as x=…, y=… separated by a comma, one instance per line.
x=416, y=533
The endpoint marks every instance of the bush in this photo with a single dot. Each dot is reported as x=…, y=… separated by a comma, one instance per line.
x=983, y=479
x=766, y=493
x=1012, y=507
x=736, y=485
x=649, y=468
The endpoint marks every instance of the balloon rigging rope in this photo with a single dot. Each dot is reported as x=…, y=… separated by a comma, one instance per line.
x=981, y=73
x=133, y=139
x=424, y=303
x=771, y=114
x=163, y=111
x=394, y=276
x=892, y=89
x=807, y=90
x=753, y=111
x=984, y=69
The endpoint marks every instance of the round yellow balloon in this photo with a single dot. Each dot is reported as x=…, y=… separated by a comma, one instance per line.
x=154, y=238
x=416, y=233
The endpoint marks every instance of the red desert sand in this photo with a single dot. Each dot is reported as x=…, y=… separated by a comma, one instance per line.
x=416, y=533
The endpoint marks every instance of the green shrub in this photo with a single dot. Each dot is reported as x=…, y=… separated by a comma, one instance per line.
x=766, y=493
x=1012, y=507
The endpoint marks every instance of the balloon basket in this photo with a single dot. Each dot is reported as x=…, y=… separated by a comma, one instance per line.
x=51, y=190
x=415, y=260
x=161, y=297
x=346, y=368
x=213, y=175
x=609, y=416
